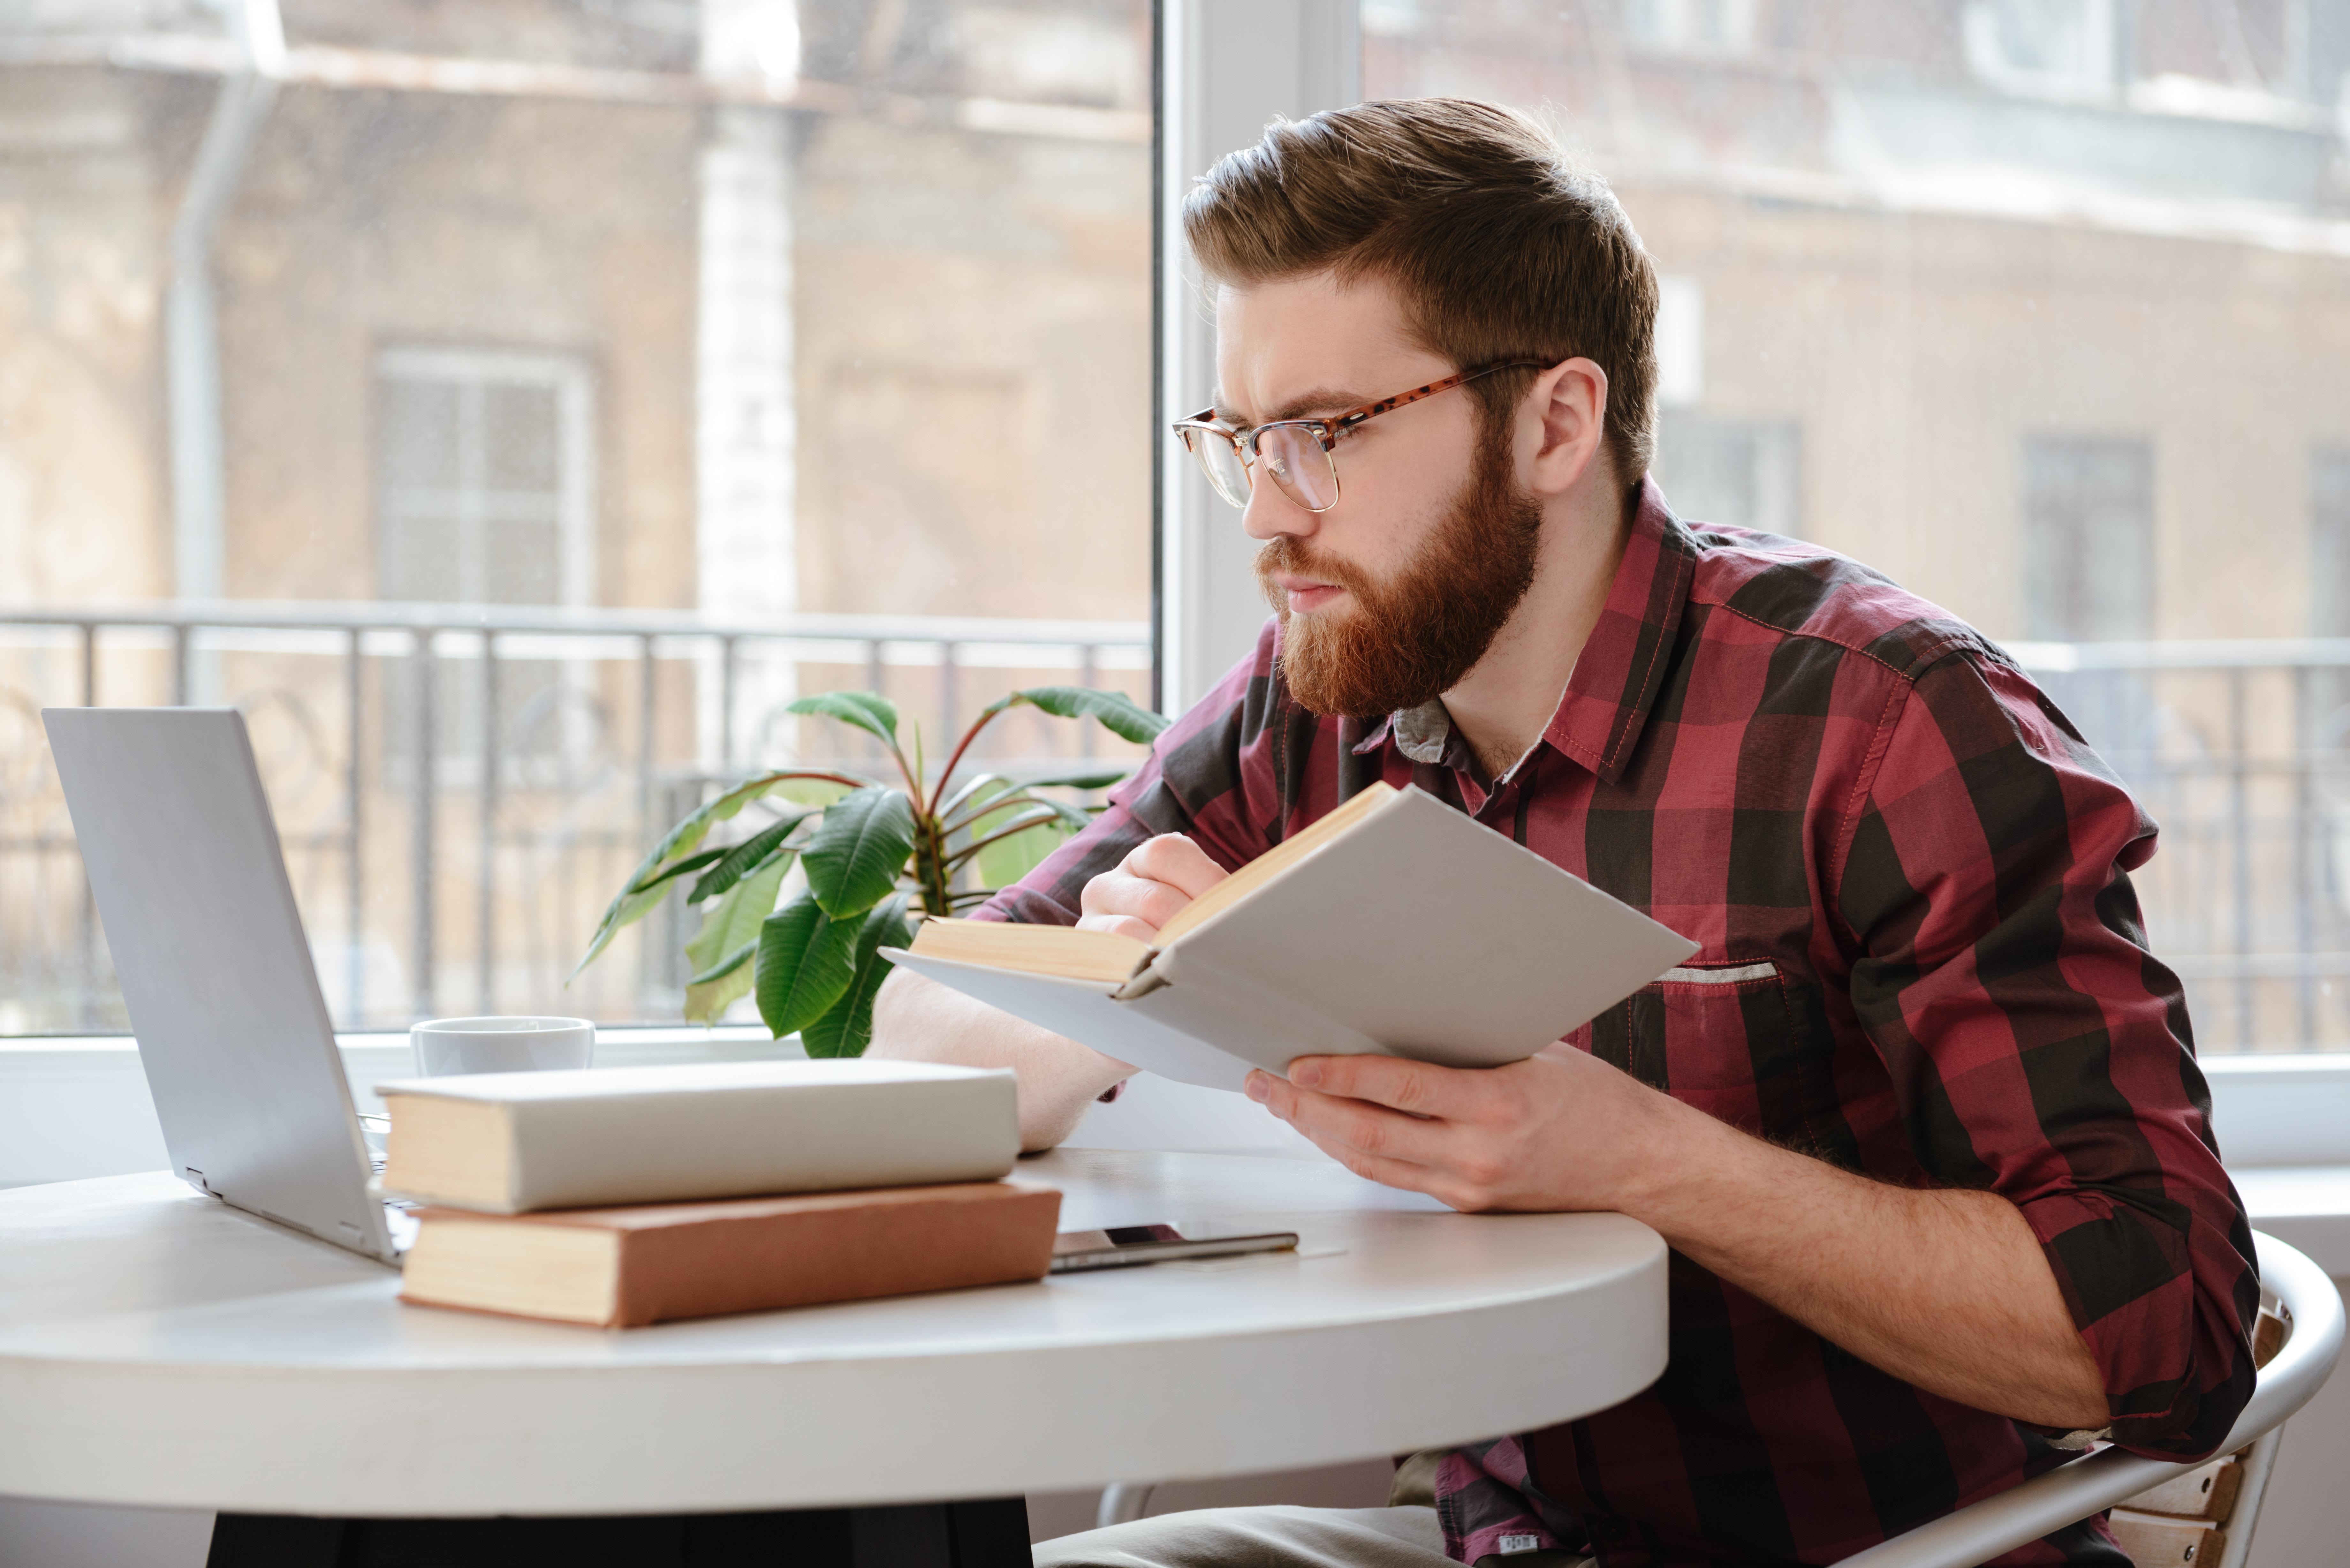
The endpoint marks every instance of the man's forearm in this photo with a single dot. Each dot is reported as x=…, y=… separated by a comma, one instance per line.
x=917, y=1019
x=1944, y=1289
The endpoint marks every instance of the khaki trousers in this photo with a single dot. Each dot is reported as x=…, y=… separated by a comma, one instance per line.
x=1277, y=1537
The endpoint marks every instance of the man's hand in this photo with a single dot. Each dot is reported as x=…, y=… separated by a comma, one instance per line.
x=1946, y=1289
x=1561, y=1130
x=1157, y=878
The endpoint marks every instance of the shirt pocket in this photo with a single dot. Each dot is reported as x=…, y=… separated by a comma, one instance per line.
x=1721, y=1036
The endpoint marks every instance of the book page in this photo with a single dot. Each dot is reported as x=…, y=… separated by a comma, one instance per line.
x=1273, y=863
x=1037, y=949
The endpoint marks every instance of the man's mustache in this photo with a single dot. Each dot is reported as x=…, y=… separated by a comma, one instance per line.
x=1285, y=552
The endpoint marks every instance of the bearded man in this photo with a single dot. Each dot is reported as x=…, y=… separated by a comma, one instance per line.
x=1921, y=1122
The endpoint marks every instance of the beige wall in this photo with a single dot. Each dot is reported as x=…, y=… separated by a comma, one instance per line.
x=1917, y=353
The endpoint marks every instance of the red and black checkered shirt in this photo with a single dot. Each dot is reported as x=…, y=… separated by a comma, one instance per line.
x=1921, y=960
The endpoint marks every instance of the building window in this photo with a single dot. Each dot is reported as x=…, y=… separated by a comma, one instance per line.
x=1742, y=472
x=484, y=495
x=2048, y=45
x=1690, y=24
x=2088, y=522
x=485, y=477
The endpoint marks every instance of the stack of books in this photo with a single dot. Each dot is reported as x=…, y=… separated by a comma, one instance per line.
x=621, y=1196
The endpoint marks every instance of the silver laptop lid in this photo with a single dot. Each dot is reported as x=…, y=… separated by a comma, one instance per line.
x=192, y=889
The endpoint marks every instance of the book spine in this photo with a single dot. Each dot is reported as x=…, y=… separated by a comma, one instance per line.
x=848, y=1253
x=658, y=1148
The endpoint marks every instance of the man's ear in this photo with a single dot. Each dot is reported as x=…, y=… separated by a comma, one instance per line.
x=1569, y=403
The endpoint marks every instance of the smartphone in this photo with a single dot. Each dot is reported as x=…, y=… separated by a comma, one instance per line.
x=1123, y=1246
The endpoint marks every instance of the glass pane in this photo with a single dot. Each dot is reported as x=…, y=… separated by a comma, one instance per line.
x=418, y=422
x=2032, y=304
x=521, y=438
x=687, y=331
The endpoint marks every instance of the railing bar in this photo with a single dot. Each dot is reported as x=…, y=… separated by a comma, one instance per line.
x=355, y=785
x=422, y=785
x=2304, y=914
x=647, y=949
x=874, y=678
x=182, y=691
x=1089, y=674
x=2240, y=833
x=728, y=675
x=84, y=1006
x=948, y=731
x=484, y=920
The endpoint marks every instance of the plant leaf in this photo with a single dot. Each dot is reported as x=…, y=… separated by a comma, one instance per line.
x=1114, y=710
x=806, y=960
x=1005, y=861
x=730, y=925
x=848, y=1027
x=739, y=862
x=868, y=711
x=859, y=849
x=640, y=893
x=724, y=968
x=974, y=789
x=817, y=792
x=1081, y=778
x=676, y=868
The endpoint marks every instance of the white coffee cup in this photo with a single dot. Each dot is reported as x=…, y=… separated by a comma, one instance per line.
x=447, y=1045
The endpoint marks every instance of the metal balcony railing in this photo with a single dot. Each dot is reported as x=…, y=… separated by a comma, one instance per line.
x=461, y=788
x=469, y=782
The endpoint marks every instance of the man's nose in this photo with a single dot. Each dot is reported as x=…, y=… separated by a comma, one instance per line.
x=1271, y=512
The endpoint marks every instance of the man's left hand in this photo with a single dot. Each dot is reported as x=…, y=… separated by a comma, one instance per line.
x=1561, y=1130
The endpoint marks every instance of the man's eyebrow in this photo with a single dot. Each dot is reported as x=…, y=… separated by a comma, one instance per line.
x=1319, y=400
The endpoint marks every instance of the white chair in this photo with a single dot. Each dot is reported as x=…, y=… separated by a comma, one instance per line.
x=2182, y=1524
x=2186, y=1507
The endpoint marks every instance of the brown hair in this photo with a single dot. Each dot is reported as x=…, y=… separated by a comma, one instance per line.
x=1501, y=247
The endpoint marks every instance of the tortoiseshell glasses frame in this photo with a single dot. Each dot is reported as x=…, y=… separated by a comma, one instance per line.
x=1299, y=454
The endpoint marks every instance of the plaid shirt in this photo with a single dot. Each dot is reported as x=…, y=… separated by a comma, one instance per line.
x=1921, y=960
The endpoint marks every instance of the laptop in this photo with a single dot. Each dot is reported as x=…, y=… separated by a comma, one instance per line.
x=233, y=1030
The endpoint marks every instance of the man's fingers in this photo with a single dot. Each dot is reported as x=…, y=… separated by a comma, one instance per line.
x=1122, y=925
x=1116, y=893
x=1176, y=861
x=1367, y=1128
x=1414, y=1086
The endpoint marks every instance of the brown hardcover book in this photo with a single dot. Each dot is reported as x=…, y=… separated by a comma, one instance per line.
x=623, y=1268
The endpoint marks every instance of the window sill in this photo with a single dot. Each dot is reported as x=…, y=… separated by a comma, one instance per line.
x=74, y=1106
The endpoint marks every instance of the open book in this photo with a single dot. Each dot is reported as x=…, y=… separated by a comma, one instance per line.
x=1394, y=925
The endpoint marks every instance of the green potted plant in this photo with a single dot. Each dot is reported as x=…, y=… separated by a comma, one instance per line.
x=871, y=852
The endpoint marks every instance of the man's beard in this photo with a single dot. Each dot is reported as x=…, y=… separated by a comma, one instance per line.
x=1413, y=636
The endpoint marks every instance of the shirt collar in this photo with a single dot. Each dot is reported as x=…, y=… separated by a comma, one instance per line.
x=1622, y=666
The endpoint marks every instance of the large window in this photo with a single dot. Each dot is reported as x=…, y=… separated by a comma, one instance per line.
x=512, y=406
x=2032, y=304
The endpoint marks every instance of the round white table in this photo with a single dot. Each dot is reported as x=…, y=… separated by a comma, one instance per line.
x=158, y=1348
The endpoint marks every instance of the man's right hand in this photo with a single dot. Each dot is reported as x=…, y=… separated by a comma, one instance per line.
x=1157, y=878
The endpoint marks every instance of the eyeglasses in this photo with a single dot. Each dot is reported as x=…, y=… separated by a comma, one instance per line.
x=1298, y=453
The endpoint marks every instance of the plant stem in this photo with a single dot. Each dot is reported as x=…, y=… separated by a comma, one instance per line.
x=961, y=746
x=1016, y=828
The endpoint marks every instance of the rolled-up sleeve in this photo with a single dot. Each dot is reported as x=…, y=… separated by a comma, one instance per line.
x=2037, y=1048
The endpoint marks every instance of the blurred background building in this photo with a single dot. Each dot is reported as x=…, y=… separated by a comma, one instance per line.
x=512, y=403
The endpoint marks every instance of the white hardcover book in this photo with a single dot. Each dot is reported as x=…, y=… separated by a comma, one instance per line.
x=1409, y=930
x=512, y=1143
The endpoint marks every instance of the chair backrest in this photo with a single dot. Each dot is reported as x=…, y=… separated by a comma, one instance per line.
x=2310, y=1327
x=2204, y=1519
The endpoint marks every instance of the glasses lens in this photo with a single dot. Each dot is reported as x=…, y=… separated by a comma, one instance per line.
x=1299, y=465
x=1221, y=463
